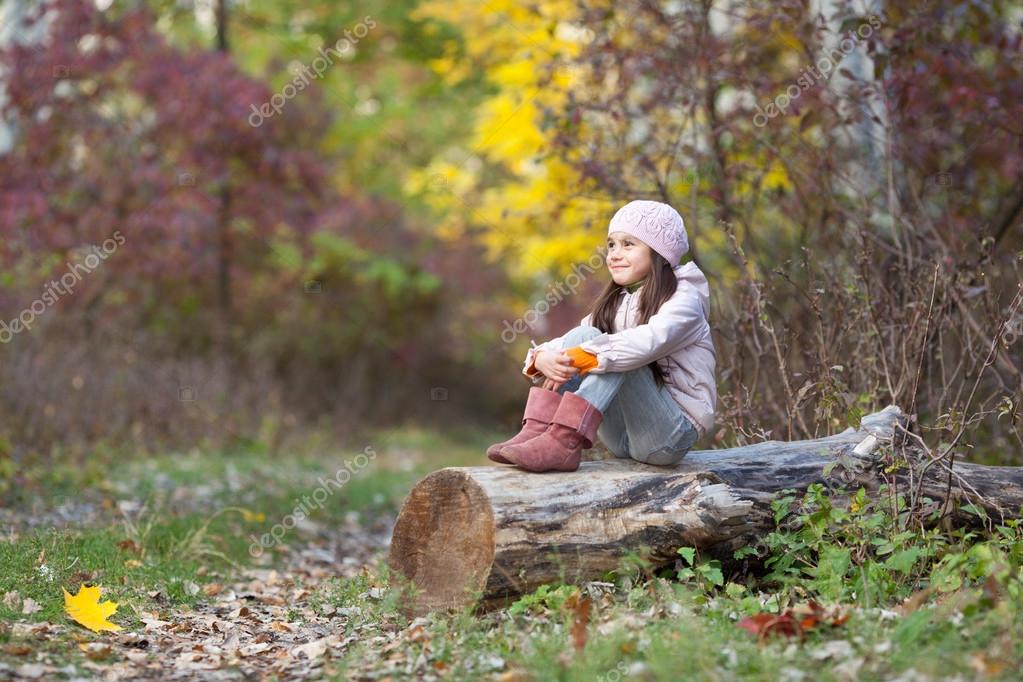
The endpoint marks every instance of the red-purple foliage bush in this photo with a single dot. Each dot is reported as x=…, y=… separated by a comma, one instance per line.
x=238, y=293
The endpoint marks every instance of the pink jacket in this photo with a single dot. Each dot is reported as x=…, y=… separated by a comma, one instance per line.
x=677, y=336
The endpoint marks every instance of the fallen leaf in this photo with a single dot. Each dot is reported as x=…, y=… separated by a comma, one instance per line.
x=22, y=630
x=914, y=601
x=11, y=599
x=82, y=577
x=133, y=639
x=580, y=609
x=515, y=676
x=312, y=650
x=252, y=649
x=986, y=666
x=836, y=648
x=763, y=624
x=271, y=599
x=33, y=671
x=154, y=623
x=128, y=546
x=95, y=651
x=792, y=621
x=85, y=608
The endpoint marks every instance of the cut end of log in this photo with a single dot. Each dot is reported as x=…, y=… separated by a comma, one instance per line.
x=443, y=541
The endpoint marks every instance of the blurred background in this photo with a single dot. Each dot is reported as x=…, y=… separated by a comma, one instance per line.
x=276, y=223
x=250, y=246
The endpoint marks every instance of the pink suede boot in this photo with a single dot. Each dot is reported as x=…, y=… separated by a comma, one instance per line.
x=540, y=407
x=559, y=448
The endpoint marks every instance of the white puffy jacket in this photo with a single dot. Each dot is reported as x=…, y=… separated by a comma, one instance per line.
x=677, y=336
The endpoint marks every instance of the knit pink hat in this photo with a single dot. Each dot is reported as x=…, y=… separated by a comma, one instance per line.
x=656, y=224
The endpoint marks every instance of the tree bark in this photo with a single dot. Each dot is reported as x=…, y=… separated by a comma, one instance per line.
x=485, y=535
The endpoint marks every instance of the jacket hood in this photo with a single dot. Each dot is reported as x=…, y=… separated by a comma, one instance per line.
x=692, y=275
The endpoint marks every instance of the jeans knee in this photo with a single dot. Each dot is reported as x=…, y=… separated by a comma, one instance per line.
x=662, y=458
x=672, y=454
x=582, y=333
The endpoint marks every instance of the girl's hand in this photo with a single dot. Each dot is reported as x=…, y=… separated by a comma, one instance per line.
x=555, y=365
x=552, y=385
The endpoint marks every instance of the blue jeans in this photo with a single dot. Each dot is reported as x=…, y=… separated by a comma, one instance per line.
x=641, y=421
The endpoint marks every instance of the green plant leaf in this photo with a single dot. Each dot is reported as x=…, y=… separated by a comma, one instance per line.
x=903, y=561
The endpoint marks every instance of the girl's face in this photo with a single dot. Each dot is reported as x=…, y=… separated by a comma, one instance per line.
x=628, y=259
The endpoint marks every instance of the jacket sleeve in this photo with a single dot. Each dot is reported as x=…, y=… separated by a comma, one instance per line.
x=679, y=322
x=554, y=344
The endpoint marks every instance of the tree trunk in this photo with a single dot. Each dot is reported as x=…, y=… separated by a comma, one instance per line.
x=486, y=535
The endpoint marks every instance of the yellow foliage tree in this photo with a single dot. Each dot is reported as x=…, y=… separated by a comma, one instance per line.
x=526, y=207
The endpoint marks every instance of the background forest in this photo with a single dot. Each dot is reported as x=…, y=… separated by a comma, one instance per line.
x=432, y=176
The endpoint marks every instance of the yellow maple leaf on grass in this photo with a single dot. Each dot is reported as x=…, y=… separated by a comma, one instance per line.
x=86, y=608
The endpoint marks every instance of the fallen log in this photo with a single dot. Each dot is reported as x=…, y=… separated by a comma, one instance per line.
x=485, y=535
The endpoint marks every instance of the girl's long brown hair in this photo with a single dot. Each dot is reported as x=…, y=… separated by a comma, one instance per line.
x=659, y=287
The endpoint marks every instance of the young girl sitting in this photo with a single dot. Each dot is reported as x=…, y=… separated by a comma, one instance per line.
x=638, y=371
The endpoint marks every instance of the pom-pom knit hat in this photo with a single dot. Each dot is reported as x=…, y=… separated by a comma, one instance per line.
x=657, y=224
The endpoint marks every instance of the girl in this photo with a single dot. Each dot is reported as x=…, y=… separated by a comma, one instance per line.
x=638, y=371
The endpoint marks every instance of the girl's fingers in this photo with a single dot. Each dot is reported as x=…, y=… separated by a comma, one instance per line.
x=552, y=383
x=569, y=369
x=563, y=369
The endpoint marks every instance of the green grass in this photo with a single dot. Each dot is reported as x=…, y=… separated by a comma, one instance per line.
x=663, y=630
x=199, y=512
x=38, y=565
x=168, y=545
